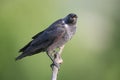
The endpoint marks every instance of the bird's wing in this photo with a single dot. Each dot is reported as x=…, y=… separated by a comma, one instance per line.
x=43, y=40
x=37, y=35
x=49, y=28
x=34, y=37
x=25, y=47
x=48, y=37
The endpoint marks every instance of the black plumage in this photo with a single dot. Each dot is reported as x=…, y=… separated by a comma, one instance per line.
x=51, y=38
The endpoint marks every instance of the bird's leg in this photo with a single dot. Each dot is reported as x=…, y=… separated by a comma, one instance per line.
x=52, y=57
x=60, y=52
x=55, y=61
x=61, y=49
x=57, y=57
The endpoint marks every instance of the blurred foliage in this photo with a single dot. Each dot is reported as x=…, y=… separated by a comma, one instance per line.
x=93, y=53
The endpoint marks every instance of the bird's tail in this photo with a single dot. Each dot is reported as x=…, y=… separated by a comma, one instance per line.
x=20, y=56
x=28, y=52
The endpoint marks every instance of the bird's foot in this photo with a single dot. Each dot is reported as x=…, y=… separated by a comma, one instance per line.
x=55, y=64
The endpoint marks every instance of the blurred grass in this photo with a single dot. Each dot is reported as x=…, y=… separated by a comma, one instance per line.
x=92, y=54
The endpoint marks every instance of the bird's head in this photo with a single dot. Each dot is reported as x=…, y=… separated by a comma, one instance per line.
x=71, y=18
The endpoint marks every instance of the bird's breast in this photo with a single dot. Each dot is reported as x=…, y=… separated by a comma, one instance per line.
x=69, y=32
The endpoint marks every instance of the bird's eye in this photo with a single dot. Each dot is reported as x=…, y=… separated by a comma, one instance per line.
x=74, y=16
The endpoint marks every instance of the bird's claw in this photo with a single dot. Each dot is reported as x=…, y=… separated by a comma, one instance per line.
x=55, y=64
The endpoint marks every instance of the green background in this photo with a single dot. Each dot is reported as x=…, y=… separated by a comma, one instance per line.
x=92, y=54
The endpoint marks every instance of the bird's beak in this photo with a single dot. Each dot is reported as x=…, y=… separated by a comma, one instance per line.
x=74, y=18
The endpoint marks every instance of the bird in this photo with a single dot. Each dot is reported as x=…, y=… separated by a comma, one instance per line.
x=52, y=38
